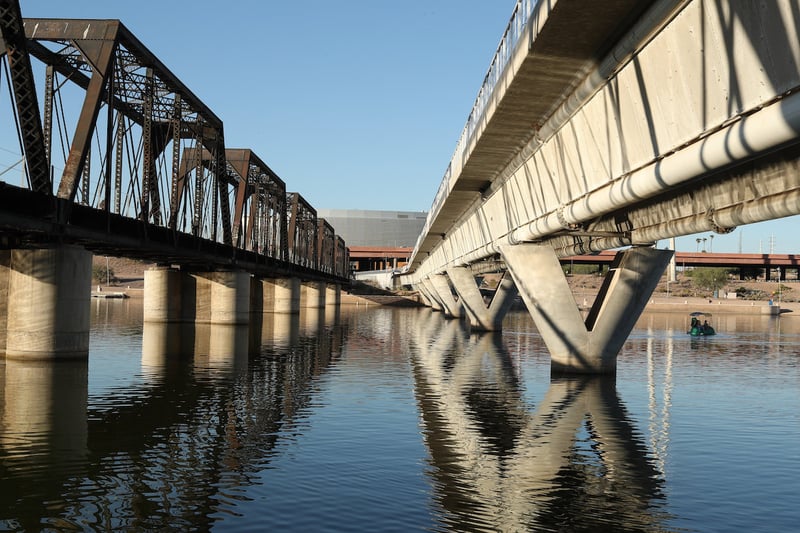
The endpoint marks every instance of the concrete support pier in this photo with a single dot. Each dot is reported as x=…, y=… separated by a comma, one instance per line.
x=48, y=305
x=423, y=296
x=333, y=294
x=441, y=287
x=230, y=297
x=5, y=273
x=280, y=295
x=575, y=346
x=313, y=294
x=483, y=317
x=430, y=294
x=162, y=294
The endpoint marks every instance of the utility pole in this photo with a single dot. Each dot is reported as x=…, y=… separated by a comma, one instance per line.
x=673, y=275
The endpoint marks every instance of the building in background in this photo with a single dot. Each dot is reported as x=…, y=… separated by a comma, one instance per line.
x=377, y=240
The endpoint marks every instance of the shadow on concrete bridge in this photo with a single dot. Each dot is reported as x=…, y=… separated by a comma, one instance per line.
x=613, y=125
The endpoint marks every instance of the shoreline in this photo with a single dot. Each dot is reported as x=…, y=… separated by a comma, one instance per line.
x=665, y=304
x=658, y=303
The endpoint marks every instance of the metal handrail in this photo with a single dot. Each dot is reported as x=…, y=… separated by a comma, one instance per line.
x=519, y=18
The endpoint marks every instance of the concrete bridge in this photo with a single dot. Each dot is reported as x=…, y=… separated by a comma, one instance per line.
x=145, y=173
x=612, y=125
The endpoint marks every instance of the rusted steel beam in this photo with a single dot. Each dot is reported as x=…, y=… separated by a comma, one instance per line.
x=257, y=187
x=100, y=54
x=41, y=29
x=73, y=49
x=148, y=160
x=302, y=231
x=342, y=258
x=220, y=168
x=27, y=105
x=60, y=65
x=213, y=162
x=197, y=219
x=118, y=150
x=176, y=177
x=241, y=165
x=325, y=246
x=47, y=126
x=109, y=145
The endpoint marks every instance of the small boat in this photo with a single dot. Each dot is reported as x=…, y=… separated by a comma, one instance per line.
x=700, y=326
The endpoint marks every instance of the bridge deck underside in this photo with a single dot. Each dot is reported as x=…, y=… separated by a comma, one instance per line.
x=695, y=130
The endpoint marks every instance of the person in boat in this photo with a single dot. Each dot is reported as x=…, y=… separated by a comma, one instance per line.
x=695, y=322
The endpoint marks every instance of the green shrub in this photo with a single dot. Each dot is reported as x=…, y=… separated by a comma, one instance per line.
x=102, y=275
x=708, y=278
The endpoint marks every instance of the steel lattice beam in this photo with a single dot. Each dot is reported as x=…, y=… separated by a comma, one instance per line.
x=134, y=171
x=15, y=48
x=105, y=59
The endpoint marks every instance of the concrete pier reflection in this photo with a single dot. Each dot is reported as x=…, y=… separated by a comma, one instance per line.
x=275, y=330
x=43, y=430
x=497, y=456
x=46, y=401
x=214, y=345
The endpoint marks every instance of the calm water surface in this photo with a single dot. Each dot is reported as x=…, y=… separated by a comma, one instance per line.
x=380, y=419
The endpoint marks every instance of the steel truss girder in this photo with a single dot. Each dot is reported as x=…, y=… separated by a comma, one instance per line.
x=103, y=56
x=202, y=160
x=302, y=238
x=264, y=193
x=341, y=258
x=114, y=69
x=326, y=246
x=15, y=47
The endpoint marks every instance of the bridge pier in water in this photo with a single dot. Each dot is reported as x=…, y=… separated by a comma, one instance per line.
x=333, y=294
x=441, y=292
x=313, y=294
x=47, y=303
x=482, y=317
x=575, y=345
x=426, y=290
x=179, y=307
x=276, y=295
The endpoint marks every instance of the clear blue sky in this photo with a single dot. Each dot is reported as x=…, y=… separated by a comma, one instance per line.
x=356, y=104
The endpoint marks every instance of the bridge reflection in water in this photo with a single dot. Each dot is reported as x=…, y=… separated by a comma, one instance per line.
x=498, y=460
x=397, y=419
x=162, y=451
